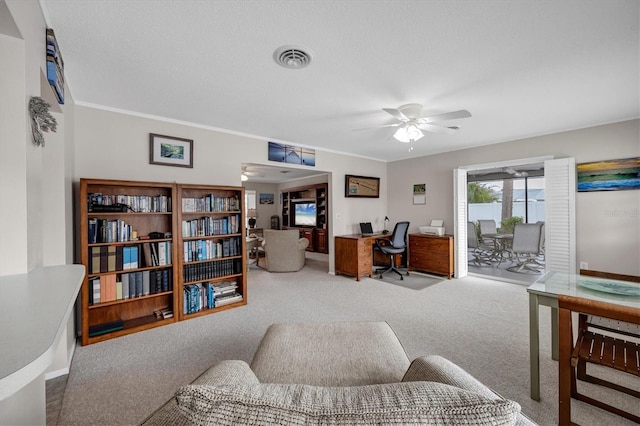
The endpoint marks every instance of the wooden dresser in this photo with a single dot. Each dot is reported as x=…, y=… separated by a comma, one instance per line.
x=432, y=254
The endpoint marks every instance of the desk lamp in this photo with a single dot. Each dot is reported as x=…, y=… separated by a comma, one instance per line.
x=386, y=223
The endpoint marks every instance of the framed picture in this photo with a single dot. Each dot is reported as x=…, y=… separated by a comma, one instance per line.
x=361, y=186
x=611, y=175
x=266, y=198
x=420, y=193
x=170, y=151
x=292, y=154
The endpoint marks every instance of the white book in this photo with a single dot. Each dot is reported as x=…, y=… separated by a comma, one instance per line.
x=125, y=286
x=145, y=283
x=162, y=253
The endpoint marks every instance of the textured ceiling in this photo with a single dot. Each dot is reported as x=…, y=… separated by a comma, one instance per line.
x=522, y=68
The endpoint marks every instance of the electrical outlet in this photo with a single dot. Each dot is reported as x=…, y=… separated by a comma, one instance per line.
x=584, y=265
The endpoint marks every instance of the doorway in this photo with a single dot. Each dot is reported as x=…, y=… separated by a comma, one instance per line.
x=266, y=183
x=559, y=216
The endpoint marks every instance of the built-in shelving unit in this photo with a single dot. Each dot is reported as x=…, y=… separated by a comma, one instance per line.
x=315, y=232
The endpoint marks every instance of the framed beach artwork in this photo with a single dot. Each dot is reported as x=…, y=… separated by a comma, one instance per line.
x=170, y=151
x=292, y=154
x=610, y=175
x=266, y=198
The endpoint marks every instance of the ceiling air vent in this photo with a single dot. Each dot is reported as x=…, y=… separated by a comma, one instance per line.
x=292, y=57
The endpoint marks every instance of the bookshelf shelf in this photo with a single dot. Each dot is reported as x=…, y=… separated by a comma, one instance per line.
x=153, y=271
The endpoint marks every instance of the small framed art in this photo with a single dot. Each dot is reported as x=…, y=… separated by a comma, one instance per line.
x=170, y=151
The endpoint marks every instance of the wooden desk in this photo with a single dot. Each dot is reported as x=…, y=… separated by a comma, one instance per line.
x=355, y=255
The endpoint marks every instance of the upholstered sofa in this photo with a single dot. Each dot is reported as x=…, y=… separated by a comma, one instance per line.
x=339, y=374
x=284, y=250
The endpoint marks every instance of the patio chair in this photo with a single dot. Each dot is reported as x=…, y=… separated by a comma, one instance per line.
x=526, y=248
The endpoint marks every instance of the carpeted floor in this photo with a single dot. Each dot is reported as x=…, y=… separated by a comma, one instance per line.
x=481, y=325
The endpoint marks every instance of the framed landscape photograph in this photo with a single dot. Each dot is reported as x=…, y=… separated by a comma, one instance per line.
x=170, y=151
x=361, y=186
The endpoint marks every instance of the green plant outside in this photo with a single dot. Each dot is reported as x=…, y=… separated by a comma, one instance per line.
x=509, y=224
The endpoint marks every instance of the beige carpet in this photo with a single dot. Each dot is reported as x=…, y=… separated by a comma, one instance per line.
x=479, y=324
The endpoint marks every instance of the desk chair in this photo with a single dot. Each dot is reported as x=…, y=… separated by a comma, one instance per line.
x=397, y=244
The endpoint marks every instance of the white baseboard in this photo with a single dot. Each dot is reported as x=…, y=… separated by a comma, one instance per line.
x=63, y=371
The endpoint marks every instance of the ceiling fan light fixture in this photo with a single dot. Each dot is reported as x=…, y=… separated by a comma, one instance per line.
x=408, y=133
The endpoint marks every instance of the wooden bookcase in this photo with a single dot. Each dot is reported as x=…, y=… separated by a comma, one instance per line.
x=212, y=245
x=123, y=221
x=317, y=193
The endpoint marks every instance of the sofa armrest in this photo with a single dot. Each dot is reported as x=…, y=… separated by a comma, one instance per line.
x=303, y=243
x=435, y=368
x=228, y=372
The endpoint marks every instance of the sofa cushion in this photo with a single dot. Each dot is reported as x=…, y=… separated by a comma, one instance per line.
x=393, y=403
x=330, y=354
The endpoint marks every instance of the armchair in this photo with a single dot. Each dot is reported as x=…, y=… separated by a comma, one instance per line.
x=284, y=251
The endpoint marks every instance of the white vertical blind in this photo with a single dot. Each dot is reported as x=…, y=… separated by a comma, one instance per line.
x=461, y=266
x=560, y=225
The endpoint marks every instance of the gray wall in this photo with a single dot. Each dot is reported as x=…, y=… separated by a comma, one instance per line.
x=607, y=223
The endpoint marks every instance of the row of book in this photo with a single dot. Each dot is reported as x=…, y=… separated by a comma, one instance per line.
x=136, y=203
x=208, y=270
x=209, y=226
x=112, y=287
x=123, y=257
x=108, y=231
x=211, y=203
x=210, y=249
x=206, y=295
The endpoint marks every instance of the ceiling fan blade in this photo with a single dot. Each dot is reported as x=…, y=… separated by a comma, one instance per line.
x=463, y=113
x=396, y=113
x=437, y=129
x=378, y=127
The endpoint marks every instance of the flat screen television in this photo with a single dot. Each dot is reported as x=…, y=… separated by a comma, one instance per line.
x=304, y=214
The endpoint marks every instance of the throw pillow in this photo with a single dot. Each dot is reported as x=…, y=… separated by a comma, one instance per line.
x=394, y=403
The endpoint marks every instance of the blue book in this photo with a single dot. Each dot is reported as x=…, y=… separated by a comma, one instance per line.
x=126, y=255
x=134, y=257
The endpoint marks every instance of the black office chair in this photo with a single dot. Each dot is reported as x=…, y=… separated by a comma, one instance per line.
x=397, y=244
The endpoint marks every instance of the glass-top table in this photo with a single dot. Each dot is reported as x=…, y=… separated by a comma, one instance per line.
x=545, y=291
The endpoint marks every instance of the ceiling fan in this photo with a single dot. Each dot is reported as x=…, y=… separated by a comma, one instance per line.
x=411, y=123
x=246, y=172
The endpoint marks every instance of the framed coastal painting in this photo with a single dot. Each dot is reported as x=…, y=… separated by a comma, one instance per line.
x=170, y=151
x=361, y=186
x=610, y=175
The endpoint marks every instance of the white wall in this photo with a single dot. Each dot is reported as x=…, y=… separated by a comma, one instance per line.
x=115, y=145
x=608, y=223
x=265, y=211
x=35, y=224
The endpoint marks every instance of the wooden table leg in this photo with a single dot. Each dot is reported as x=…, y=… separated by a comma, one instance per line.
x=565, y=370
